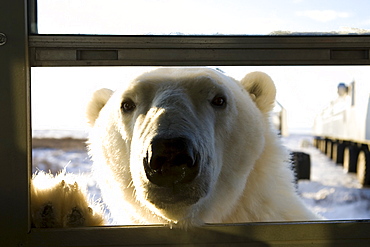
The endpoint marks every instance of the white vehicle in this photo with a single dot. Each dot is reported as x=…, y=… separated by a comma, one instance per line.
x=342, y=130
x=279, y=119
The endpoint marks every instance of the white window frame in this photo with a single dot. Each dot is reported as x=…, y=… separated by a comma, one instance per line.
x=21, y=51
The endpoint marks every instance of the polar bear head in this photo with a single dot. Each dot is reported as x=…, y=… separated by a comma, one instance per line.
x=178, y=144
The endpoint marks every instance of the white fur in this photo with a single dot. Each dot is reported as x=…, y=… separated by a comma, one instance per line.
x=249, y=176
x=55, y=200
x=244, y=172
x=97, y=102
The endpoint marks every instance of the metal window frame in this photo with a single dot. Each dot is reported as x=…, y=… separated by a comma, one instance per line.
x=93, y=50
x=21, y=51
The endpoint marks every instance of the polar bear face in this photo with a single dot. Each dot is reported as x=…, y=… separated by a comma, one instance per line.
x=177, y=145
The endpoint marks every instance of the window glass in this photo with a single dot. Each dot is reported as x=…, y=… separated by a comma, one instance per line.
x=208, y=17
x=309, y=96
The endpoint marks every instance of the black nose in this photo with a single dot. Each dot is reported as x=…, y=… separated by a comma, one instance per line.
x=171, y=161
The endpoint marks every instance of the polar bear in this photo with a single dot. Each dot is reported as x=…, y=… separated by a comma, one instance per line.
x=189, y=146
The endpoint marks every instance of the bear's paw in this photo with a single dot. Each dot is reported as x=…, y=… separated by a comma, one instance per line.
x=57, y=203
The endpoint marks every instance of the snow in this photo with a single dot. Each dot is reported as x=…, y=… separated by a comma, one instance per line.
x=59, y=133
x=330, y=192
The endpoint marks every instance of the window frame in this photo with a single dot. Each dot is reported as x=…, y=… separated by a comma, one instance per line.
x=20, y=53
x=99, y=50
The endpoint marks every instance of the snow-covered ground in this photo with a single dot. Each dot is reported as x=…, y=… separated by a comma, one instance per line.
x=330, y=191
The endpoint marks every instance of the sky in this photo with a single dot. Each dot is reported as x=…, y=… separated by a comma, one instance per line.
x=200, y=17
x=303, y=91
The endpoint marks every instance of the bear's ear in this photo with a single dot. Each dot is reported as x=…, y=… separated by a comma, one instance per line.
x=262, y=90
x=96, y=103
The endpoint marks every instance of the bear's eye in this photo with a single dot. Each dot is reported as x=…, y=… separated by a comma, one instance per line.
x=128, y=105
x=219, y=101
